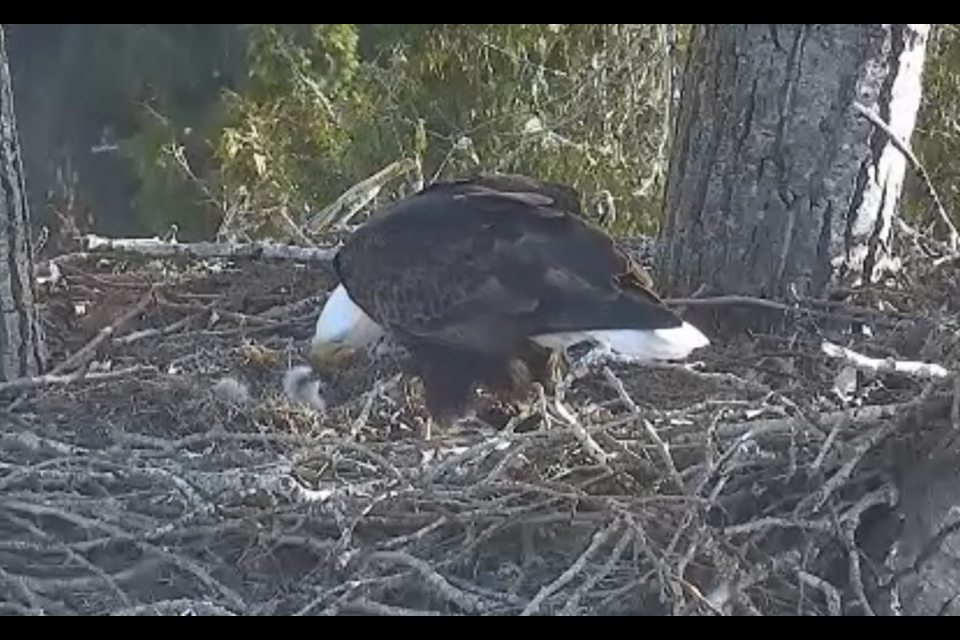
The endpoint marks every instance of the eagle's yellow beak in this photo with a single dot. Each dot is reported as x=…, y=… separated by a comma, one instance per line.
x=329, y=354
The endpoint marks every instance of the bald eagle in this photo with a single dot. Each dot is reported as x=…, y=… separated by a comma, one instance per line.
x=484, y=281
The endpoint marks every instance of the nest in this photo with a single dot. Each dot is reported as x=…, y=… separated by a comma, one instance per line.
x=160, y=469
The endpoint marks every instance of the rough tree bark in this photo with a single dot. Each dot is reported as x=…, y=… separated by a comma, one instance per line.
x=926, y=555
x=776, y=184
x=779, y=186
x=21, y=342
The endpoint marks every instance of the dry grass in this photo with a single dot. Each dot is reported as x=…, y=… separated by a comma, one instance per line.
x=745, y=484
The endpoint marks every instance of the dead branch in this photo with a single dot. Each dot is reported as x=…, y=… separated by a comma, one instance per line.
x=662, y=447
x=573, y=603
x=904, y=148
x=884, y=365
x=853, y=314
x=359, y=195
x=590, y=445
x=136, y=336
x=20, y=384
x=374, y=608
x=829, y=591
x=19, y=585
x=86, y=352
x=307, y=305
x=441, y=585
x=239, y=318
x=847, y=419
x=157, y=248
x=182, y=607
x=599, y=539
x=761, y=524
x=815, y=501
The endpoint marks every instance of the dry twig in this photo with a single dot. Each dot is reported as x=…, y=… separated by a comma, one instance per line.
x=599, y=539
x=79, y=358
x=20, y=384
x=443, y=588
x=885, y=365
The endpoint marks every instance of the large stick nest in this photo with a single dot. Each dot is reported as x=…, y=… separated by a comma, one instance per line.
x=763, y=479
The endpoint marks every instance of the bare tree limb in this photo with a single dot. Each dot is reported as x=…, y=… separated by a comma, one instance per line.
x=884, y=365
x=156, y=248
x=466, y=601
x=599, y=538
x=904, y=148
x=359, y=195
x=51, y=379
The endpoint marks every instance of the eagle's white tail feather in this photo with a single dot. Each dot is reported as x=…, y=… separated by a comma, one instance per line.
x=656, y=344
x=647, y=344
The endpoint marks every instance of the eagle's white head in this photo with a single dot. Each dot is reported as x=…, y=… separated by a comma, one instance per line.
x=342, y=328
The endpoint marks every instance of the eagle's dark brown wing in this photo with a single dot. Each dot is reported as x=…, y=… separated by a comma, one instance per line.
x=479, y=268
x=563, y=196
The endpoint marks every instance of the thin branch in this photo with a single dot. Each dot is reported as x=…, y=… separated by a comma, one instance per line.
x=181, y=607
x=662, y=447
x=830, y=592
x=854, y=313
x=904, y=148
x=599, y=538
x=884, y=365
x=359, y=195
x=570, y=608
x=86, y=352
x=20, y=384
x=374, y=608
x=466, y=601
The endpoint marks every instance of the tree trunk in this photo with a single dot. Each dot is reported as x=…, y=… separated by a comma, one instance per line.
x=21, y=343
x=926, y=555
x=777, y=185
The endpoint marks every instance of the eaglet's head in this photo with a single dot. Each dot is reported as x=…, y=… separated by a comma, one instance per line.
x=342, y=329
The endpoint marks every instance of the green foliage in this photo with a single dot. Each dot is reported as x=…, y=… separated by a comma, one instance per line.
x=84, y=89
x=289, y=130
x=585, y=104
x=937, y=136
x=176, y=113
x=328, y=105
x=262, y=125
